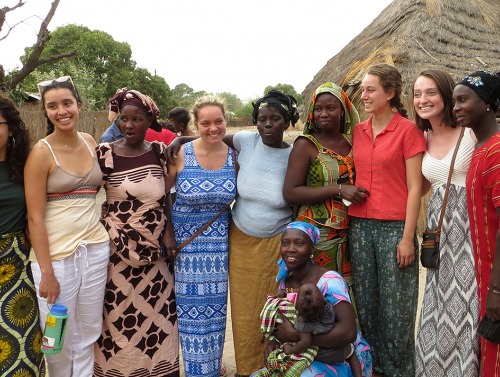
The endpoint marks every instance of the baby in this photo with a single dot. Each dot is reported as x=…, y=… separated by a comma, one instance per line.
x=316, y=316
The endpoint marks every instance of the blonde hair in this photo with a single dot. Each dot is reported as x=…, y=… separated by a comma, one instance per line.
x=208, y=100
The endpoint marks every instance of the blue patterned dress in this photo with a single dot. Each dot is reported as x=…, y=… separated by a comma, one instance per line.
x=201, y=268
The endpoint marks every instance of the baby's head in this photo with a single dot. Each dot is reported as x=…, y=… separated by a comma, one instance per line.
x=310, y=303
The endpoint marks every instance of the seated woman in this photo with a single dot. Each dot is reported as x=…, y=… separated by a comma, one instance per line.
x=296, y=269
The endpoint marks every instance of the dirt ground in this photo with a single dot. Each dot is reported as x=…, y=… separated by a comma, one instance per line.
x=228, y=356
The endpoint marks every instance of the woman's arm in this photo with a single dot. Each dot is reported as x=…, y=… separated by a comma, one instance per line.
x=36, y=172
x=174, y=167
x=414, y=180
x=295, y=189
x=344, y=331
x=176, y=144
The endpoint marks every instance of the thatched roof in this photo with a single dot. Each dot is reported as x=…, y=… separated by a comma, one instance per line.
x=459, y=36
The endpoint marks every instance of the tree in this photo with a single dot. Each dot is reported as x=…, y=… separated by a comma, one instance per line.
x=156, y=87
x=288, y=89
x=232, y=102
x=185, y=96
x=100, y=66
x=34, y=59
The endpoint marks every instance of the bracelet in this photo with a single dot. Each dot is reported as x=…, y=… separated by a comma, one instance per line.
x=493, y=290
x=340, y=191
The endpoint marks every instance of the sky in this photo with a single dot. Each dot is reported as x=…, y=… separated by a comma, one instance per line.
x=218, y=45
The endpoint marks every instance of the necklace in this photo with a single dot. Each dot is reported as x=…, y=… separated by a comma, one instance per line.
x=68, y=145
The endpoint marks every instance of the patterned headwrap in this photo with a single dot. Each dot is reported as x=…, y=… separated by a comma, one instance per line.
x=351, y=117
x=285, y=103
x=125, y=96
x=311, y=231
x=307, y=228
x=486, y=84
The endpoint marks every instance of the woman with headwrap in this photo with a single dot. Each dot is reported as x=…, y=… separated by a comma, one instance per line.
x=139, y=334
x=321, y=175
x=258, y=216
x=477, y=98
x=296, y=269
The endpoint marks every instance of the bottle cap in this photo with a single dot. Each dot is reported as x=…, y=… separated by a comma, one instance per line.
x=59, y=309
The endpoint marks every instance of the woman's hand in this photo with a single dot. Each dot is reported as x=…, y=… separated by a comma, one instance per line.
x=285, y=331
x=271, y=346
x=406, y=253
x=169, y=242
x=354, y=194
x=173, y=150
x=49, y=287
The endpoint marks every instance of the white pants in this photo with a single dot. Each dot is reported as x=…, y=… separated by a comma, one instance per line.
x=82, y=278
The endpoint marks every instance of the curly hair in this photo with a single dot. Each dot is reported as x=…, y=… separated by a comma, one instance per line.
x=18, y=145
x=390, y=79
x=58, y=85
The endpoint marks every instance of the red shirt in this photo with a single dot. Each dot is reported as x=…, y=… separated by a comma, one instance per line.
x=165, y=136
x=380, y=166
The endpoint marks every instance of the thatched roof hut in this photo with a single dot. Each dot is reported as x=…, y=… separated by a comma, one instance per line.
x=457, y=36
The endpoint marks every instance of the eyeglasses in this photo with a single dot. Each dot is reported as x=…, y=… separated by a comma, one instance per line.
x=44, y=84
x=6, y=123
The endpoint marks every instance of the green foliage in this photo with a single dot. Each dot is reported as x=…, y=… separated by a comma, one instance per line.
x=156, y=87
x=244, y=115
x=185, y=96
x=232, y=102
x=100, y=67
x=287, y=89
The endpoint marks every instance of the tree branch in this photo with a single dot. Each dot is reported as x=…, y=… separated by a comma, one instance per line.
x=5, y=10
x=33, y=60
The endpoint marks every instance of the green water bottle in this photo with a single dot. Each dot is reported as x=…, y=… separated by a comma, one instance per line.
x=55, y=327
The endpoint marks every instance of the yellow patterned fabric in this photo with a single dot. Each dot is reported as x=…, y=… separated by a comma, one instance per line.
x=20, y=334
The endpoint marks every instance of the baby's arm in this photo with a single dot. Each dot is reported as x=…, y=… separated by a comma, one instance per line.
x=300, y=346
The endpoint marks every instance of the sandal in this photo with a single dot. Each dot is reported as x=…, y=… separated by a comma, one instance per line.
x=223, y=371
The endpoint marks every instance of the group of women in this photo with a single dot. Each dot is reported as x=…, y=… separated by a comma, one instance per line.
x=359, y=184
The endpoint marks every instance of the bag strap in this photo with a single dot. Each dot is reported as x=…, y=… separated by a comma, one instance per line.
x=204, y=227
x=447, y=191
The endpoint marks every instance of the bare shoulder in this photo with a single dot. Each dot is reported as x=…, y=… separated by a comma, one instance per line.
x=39, y=160
x=89, y=139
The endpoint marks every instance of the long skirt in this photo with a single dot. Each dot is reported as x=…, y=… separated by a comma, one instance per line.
x=252, y=276
x=139, y=336
x=20, y=333
x=447, y=339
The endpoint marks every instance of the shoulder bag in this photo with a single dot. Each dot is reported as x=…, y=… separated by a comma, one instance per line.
x=429, y=251
x=204, y=227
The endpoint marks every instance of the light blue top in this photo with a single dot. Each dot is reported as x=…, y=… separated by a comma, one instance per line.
x=260, y=209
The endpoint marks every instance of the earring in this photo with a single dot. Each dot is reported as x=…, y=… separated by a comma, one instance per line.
x=311, y=256
x=488, y=108
x=13, y=141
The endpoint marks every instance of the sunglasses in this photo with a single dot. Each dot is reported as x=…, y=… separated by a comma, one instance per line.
x=47, y=83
